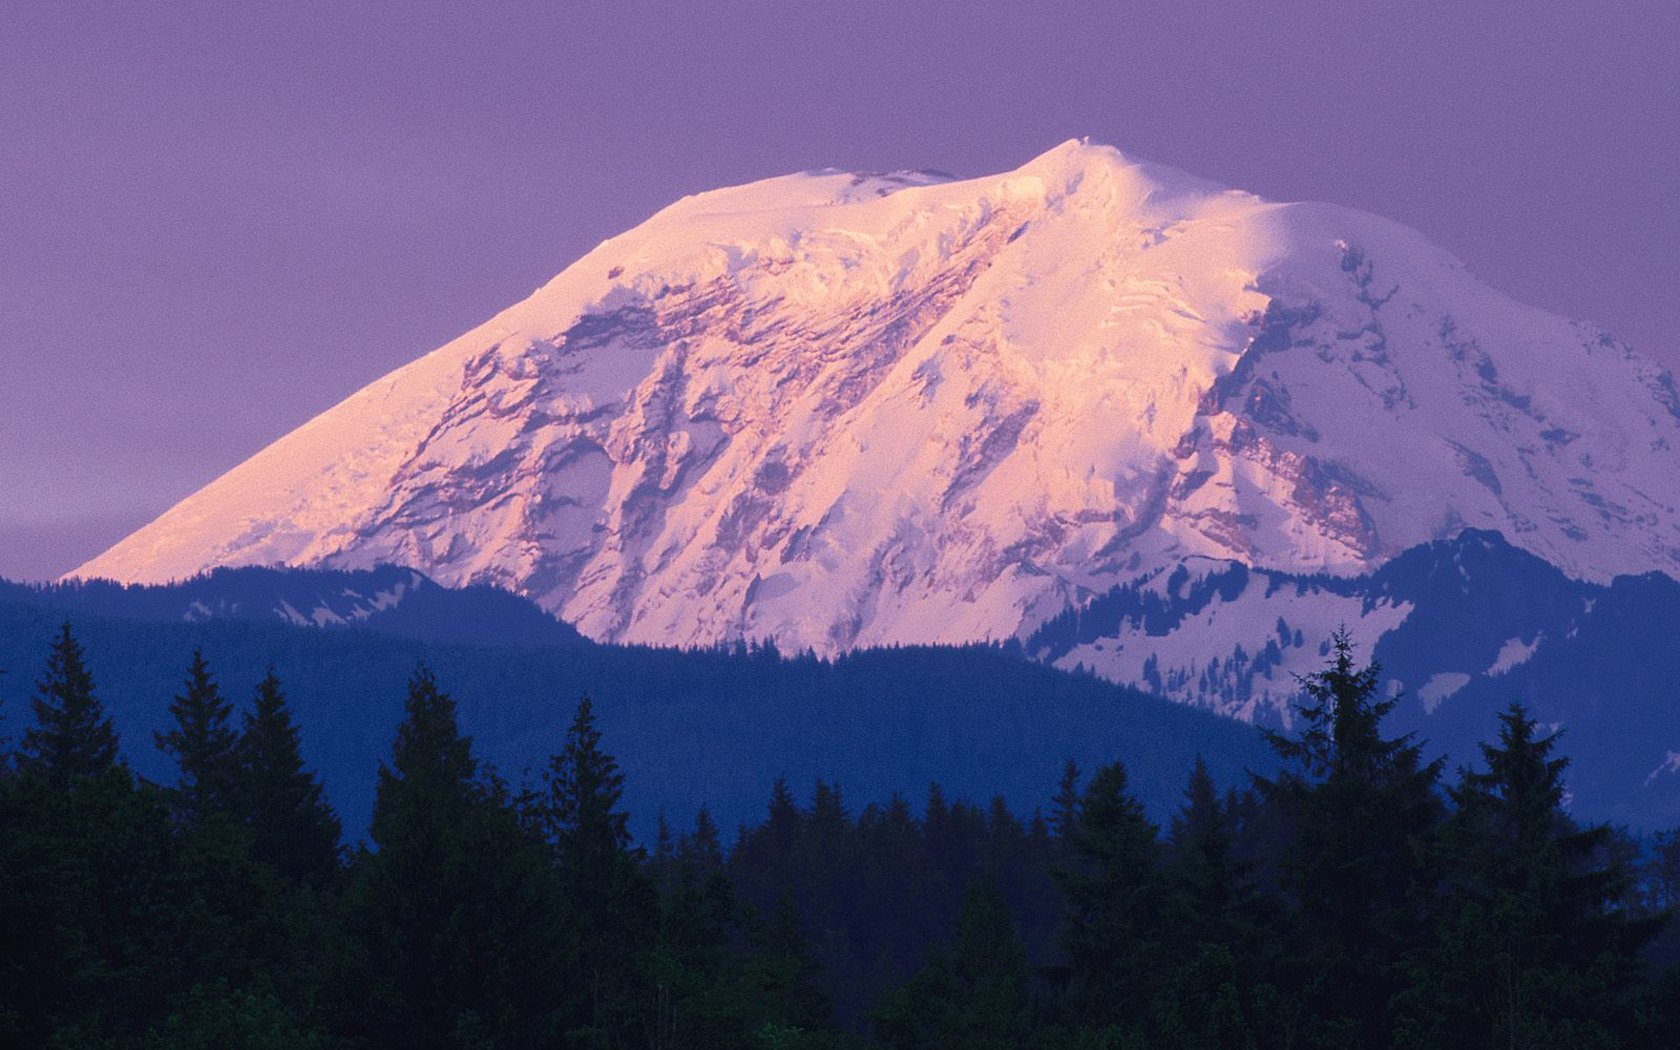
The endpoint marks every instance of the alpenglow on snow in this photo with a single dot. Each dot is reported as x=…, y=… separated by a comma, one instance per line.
x=837, y=410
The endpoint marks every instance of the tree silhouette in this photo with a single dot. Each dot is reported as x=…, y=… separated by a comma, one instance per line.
x=203, y=745
x=292, y=827
x=72, y=738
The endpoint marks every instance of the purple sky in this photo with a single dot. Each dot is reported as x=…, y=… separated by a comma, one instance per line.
x=215, y=223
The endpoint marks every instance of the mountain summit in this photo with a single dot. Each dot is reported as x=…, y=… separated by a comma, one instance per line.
x=837, y=409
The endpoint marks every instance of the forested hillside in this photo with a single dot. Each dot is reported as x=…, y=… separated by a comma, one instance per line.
x=709, y=727
x=1358, y=895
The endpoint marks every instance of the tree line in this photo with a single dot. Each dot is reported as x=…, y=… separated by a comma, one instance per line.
x=1362, y=897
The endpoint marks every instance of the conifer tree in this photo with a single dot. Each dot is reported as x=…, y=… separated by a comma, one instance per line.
x=203, y=744
x=1112, y=937
x=702, y=852
x=90, y=943
x=991, y=964
x=828, y=809
x=1213, y=969
x=234, y=906
x=1361, y=808
x=784, y=819
x=661, y=865
x=461, y=936
x=585, y=787
x=72, y=739
x=785, y=972
x=1203, y=870
x=761, y=865
x=612, y=902
x=698, y=1000
x=827, y=863
x=1534, y=949
x=292, y=827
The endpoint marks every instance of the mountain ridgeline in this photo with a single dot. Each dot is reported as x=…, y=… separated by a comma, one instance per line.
x=700, y=727
x=1459, y=627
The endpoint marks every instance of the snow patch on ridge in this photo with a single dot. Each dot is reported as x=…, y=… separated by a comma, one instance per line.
x=1513, y=653
x=1242, y=655
x=1440, y=688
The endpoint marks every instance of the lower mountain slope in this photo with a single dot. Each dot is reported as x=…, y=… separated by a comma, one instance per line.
x=690, y=728
x=1461, y=628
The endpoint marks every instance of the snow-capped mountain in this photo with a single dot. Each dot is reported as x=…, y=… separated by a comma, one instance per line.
x=837, y=410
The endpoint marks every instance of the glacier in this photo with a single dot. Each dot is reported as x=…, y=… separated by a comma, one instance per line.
x=834, y=410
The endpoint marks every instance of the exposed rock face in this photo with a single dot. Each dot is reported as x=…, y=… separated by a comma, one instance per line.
x=839, y=410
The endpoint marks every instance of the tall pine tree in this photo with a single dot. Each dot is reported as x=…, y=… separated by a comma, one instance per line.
x=1217, y=939
x=459, y=928
x=783, y=974
x=1113, y=934
x=1361, y=808
x=72, y=738
x=612, y=902
x=202, y=743
x=292, y=827
x=93, y=950
x=1534, y=949
x=1064, y=819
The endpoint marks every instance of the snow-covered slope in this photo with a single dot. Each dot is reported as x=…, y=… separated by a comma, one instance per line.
x=838, y=410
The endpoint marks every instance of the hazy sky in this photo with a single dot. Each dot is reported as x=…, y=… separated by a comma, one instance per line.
x=219, y=219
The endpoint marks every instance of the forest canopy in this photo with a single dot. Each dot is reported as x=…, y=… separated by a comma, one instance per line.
x=1357, y=894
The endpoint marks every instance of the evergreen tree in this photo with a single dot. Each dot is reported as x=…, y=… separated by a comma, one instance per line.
x=1214, y=985
x=72, y=738
x=1360, y=808
x=1535, y=949
x=91, y=949
x=203, y=745
x=611, y=901
x=991, y=965
x=292, y=828
x=661, y=866
x=784, y=819
x=828, y=865
x=254, y=826
x=1112, y=938
x=783, y=976
x=460, y=933
x=94, y=945
x=761, y=866
x=699, y=998
x=585, y=788
x=1201, y=844
x=702, y=852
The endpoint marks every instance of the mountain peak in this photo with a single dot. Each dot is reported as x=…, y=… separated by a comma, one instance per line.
x=1070, y=164
x=837, y=409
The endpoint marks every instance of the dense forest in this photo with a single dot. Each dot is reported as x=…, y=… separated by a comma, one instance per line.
x=689, y=728
x=1357, y=894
